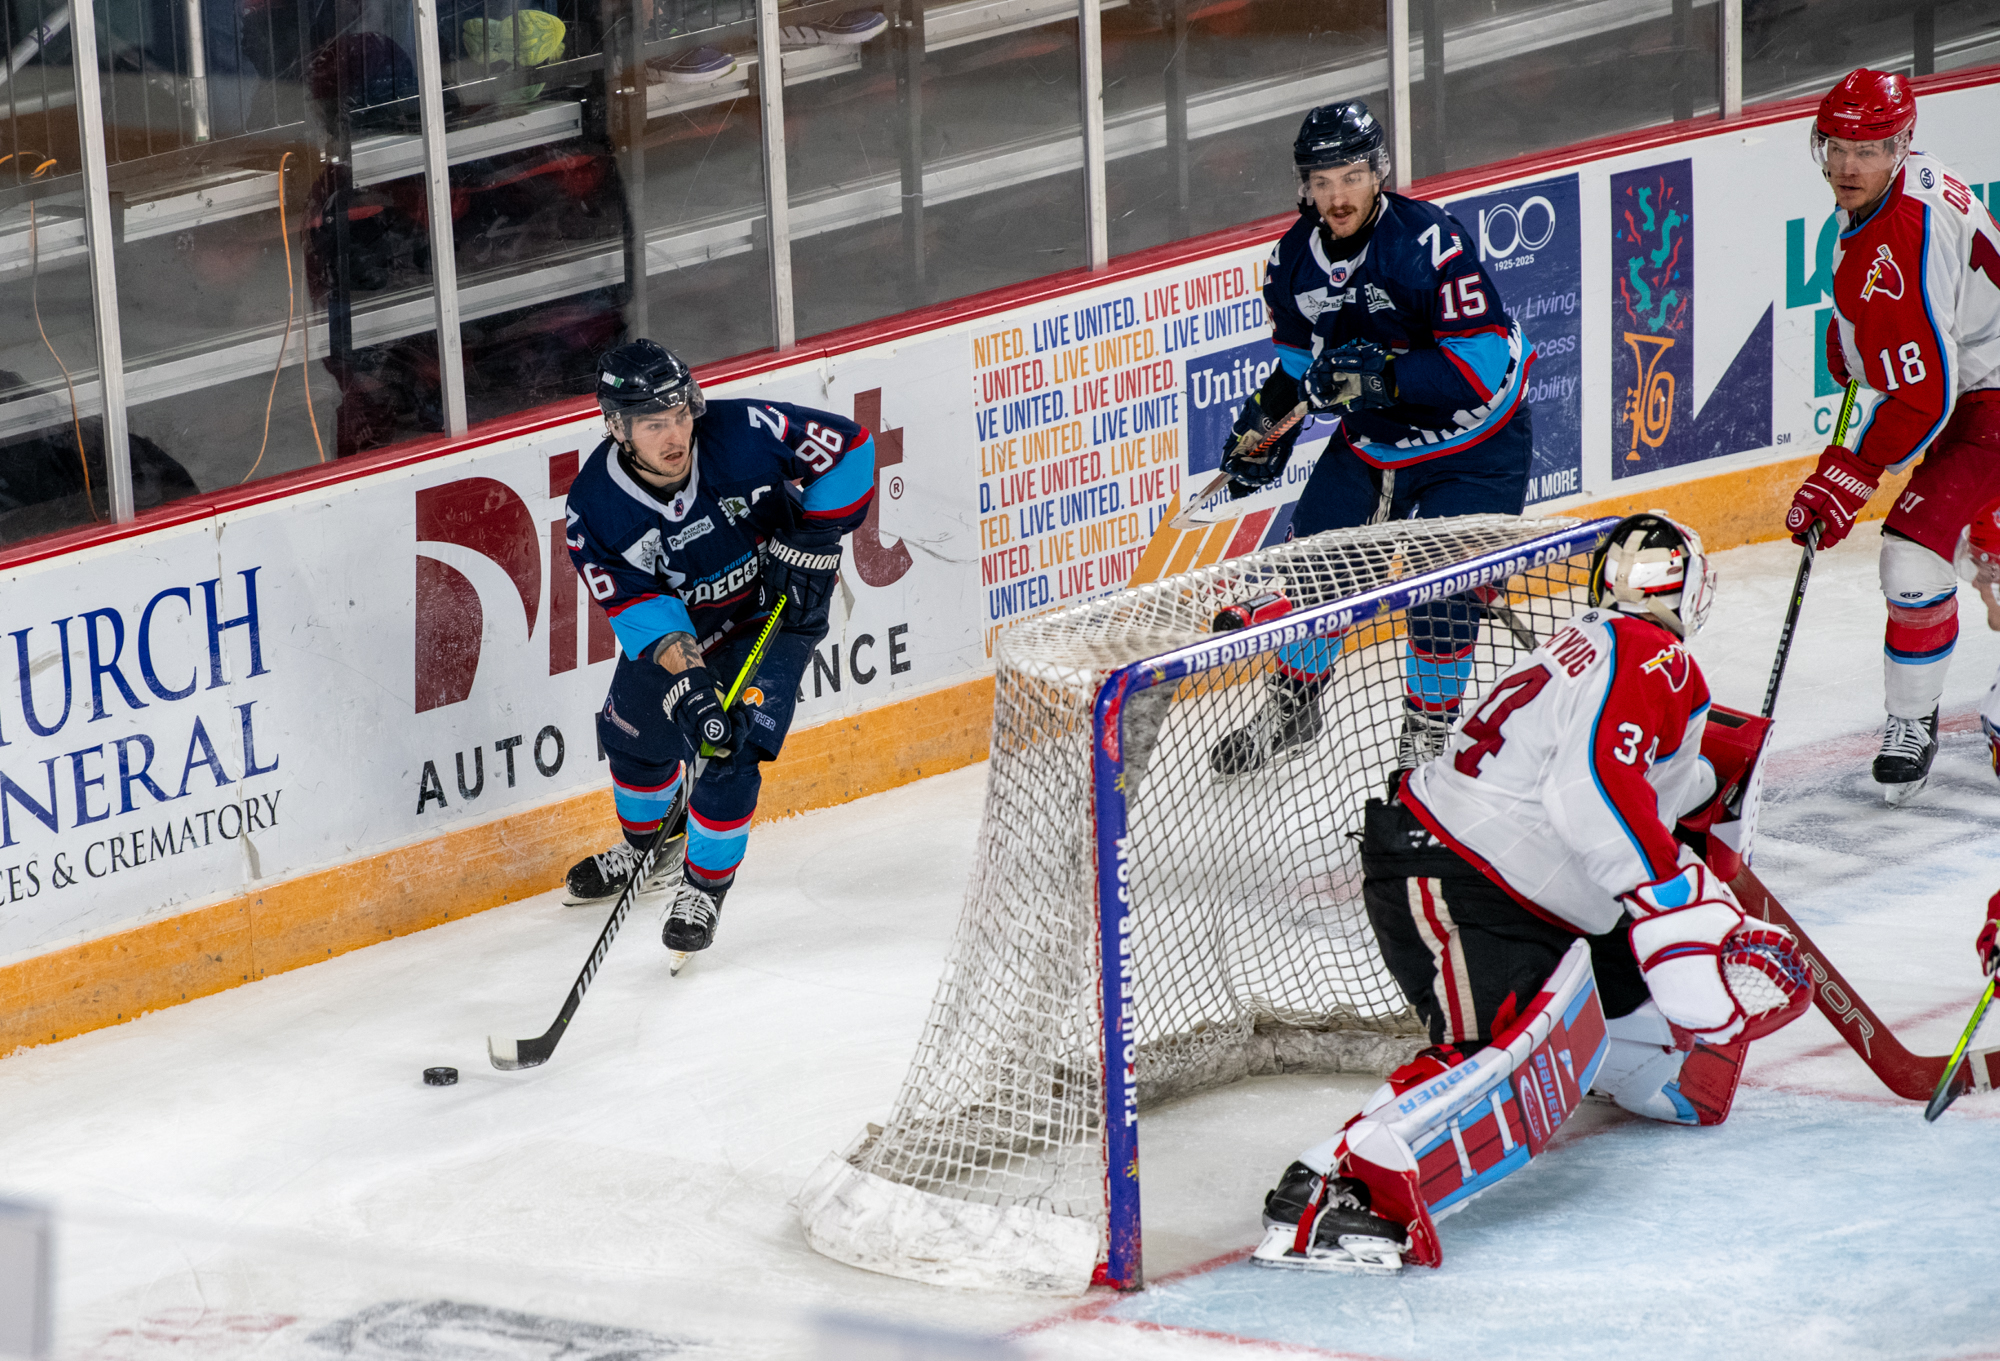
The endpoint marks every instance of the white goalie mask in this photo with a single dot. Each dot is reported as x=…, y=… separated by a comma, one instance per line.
x=1654, y=567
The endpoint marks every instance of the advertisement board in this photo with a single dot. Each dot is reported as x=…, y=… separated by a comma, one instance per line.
x=193, y=713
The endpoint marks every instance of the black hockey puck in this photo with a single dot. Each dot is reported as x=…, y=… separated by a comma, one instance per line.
x=440, y=1077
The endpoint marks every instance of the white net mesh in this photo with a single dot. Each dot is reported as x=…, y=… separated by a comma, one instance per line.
x=1253, y=951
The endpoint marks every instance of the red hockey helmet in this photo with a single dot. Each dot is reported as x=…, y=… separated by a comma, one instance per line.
x=1868, y=106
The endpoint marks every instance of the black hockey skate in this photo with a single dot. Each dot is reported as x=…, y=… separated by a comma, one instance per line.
x=691, y=925
x=1347, y=1236
x=601, y=877
x=1903, y=766
x=1288, y=723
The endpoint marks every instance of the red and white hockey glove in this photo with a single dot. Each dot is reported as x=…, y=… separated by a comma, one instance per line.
x=1989, y=937
x=1835, y=493
x=1678, y=931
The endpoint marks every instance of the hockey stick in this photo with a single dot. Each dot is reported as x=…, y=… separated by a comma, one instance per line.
x=1216, y=483
x=1952, y=1086
x=1805, y=570
x=1910, y=1076
x=510, y=1055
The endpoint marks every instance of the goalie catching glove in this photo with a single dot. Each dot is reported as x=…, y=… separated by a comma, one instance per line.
x=1711, y=971
x=1358, y=374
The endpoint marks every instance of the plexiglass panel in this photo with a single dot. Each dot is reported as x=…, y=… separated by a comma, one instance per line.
x=934, y=150
x=51, y=441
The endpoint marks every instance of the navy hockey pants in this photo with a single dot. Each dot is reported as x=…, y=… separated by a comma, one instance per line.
x=646, y=749
x=1466, y=955
x=1343, y=491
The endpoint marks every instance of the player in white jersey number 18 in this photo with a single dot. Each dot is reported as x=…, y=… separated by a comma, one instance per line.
x=1530, y=896
x=1916, y=321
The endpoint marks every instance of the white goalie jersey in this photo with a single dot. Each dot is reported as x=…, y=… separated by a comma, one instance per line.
x=1562, y=786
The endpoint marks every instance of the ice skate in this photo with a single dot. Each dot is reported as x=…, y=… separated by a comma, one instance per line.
x=1346, y=1237
x=1423, y=736
x=1903, y=766
x=691, y=925
x=602, y=877
x=1288, y=723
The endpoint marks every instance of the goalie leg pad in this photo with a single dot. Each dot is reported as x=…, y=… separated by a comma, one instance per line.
x=1430, y=1149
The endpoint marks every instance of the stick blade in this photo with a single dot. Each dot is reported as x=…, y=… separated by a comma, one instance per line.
x=512, y=1055
x=1949, y=1089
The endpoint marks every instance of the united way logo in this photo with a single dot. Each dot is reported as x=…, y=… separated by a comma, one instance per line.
x=1884, y=276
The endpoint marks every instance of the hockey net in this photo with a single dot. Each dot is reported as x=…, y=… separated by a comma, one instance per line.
x=1139, y=928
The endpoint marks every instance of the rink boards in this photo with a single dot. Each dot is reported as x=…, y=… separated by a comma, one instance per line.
x=267, y=726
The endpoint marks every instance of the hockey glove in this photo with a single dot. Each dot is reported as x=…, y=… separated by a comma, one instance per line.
x=1357, y=375
x=1677, y=933
x=802, y=566
x=1253, y=425
x=692, y=703
x=1835, y=493
x=1989, y=937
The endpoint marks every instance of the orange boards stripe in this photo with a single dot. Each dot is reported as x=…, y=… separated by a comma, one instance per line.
x=1155, y=557
x=1185, y=550
x=1217, y=543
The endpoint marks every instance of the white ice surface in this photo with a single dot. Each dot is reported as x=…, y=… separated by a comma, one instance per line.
x=261, y=1173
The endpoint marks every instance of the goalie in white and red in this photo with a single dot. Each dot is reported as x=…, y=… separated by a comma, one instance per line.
x=1531, y=898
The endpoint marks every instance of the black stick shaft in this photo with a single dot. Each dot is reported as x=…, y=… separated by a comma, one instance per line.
x=1805, y=571
x=1791, y=619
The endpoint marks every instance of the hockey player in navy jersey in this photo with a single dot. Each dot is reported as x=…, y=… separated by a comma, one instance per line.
x=1391, y=333
x=1529, y=878
x=687, y=526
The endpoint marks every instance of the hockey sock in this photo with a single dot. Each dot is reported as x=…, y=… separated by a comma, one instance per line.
x=1308, y=664
x=1433, y=683
x=641, y=807
x=715, y=846
x=1917, y=645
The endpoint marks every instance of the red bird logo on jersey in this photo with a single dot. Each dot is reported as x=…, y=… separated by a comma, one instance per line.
x=1884, y=276
x=1673, y=660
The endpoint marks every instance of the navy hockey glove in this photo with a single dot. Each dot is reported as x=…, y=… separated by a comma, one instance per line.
x=1358, y=374
x=692, y=703
x=802, y=567
x=1254, y=423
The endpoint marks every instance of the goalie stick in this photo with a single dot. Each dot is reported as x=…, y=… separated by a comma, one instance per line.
x=1914, y=1077
x=512, y=1055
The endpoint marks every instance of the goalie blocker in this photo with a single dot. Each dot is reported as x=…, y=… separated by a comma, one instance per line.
x=1549, y=818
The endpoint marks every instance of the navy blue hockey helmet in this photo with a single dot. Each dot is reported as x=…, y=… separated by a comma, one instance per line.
x=641, y=377
x=1340, y=134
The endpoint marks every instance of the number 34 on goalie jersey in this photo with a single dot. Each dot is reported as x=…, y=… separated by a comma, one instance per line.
x=1566, y=779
